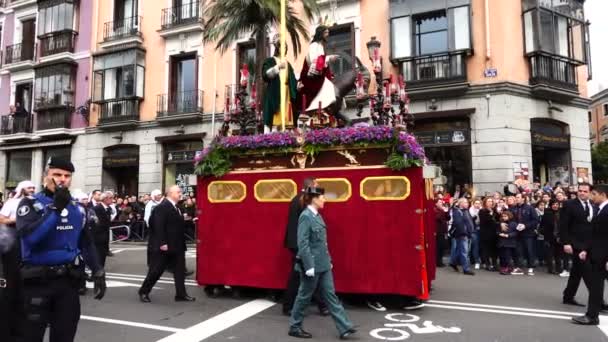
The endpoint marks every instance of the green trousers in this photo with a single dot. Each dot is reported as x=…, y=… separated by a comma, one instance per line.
x=325, y=283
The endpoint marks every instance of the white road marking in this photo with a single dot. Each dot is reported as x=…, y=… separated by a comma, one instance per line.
x=130, y=324
x=505, y=312
x=129, y=249
x=141, y=280
x=114, y=283
x=442, y=302
x=144, y=277
x=220, y=322
x=603, y=324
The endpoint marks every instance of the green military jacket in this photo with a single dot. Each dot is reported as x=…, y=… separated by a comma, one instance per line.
x=312, y=242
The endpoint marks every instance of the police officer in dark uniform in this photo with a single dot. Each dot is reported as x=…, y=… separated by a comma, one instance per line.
x=55, y=247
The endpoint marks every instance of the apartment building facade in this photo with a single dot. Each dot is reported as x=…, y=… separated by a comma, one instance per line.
x=498, y=88
x=44, y=85
x=598, y=118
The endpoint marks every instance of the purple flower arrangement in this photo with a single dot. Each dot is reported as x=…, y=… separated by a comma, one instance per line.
x=260, y=141
x=350, y=136
x=402, y=143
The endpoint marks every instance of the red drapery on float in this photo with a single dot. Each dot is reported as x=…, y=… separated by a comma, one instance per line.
x=376, y=246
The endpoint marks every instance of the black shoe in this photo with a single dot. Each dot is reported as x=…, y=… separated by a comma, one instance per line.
x=322, y=311
x=604, y=308
x=110, y=254
x=440, y=265
x=189, y=273
x=82, y=291
x=144, y=298
x=586, y=320
x=299, y=333
x=572, y=301
x=471, y=273
x=454, y=267
x=348, y=333
x=185, y=298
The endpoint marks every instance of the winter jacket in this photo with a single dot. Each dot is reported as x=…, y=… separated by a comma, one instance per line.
x=511, y=241
x=525, y=215
x=488, y=224
x=462, y=223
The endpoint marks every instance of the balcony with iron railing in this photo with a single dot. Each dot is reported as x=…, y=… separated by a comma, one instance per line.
x=15, y=124
x=122, y=29
x=436, y=74
x=54, y=119
x=180, y=103
x=118, y=111
x=57, y=42
x=19, y=53
x=445, y=67
x=551, y=71
x=179, y=16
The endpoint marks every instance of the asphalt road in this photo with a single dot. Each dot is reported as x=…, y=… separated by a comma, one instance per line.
x=484, y=308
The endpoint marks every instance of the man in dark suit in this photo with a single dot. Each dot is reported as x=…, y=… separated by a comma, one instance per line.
x=576, y=234
x=101, y=229
x=291, y=242
x=597, y=253
x=168, y=246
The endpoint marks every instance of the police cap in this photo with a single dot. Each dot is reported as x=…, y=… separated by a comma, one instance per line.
x=60, y=163
x=315, y=191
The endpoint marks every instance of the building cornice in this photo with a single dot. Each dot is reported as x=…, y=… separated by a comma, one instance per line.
x=600, y=97
x=516, y=89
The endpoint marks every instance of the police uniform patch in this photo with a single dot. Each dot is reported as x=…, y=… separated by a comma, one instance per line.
x=23, y=210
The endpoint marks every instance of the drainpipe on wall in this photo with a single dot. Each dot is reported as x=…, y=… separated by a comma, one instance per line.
x=214, y=95
x=487, y=17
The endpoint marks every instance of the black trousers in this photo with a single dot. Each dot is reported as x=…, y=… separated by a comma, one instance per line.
x=555, y=258
x=489, y=252
x=441, y=245
x=102, y=251
x=11, y=297
x=53, y=302
x=580, y=270
x=293, y=284
x=158, y=264
x=596, y=290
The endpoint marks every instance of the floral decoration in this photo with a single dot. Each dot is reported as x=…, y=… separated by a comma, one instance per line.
x=405, y=150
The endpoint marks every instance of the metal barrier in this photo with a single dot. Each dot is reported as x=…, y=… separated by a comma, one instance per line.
x=116, y=237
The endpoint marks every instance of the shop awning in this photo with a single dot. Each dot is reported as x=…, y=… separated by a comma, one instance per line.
x=22, y=146
x=442, y=114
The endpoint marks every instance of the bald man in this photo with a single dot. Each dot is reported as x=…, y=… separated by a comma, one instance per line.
x=167, y=245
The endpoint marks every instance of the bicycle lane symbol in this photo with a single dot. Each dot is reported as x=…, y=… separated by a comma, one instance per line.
x=391, y=331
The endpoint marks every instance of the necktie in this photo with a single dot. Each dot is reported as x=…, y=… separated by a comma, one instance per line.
x=109, y=211
x=587, y=209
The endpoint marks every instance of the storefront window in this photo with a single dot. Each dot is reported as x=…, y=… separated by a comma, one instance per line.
x=226, y=192
x=336, y=189
x=275, y=190
x=58, y=152
x=390, y=188
x=19, y=167
x=179, y=165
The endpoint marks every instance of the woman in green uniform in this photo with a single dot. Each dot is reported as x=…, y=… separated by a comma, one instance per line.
x=314, y=265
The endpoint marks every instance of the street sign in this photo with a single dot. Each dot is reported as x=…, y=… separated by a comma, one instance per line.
x=490, y=72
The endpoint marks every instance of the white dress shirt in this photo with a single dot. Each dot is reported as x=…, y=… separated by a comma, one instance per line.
x=590, y=217
x=313, y=209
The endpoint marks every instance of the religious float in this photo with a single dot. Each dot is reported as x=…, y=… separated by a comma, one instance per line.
x=380, y=235
x=379, y=211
